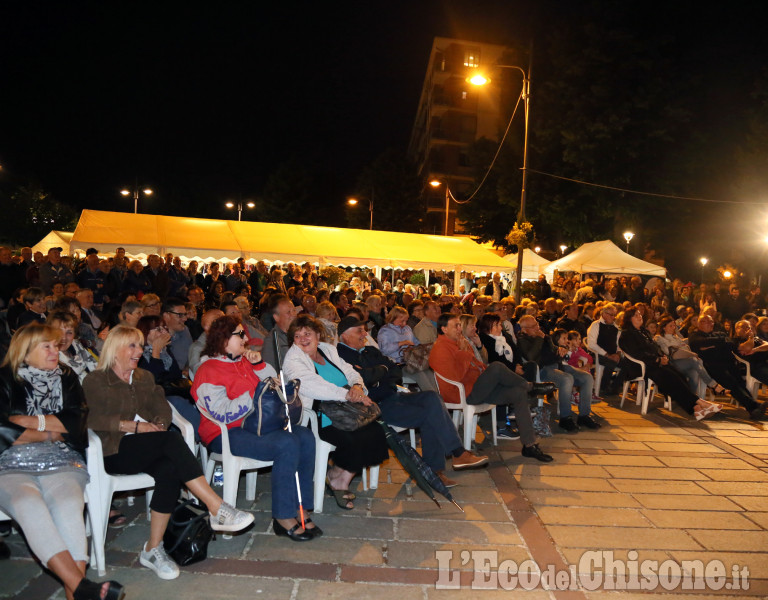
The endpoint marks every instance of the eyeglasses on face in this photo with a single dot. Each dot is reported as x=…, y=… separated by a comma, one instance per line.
x=178, y=314
x=240, y=334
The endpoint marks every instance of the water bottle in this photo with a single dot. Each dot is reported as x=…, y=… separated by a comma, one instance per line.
x=218, y=476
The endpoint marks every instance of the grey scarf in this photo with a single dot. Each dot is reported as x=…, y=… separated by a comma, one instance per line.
x=44, y=395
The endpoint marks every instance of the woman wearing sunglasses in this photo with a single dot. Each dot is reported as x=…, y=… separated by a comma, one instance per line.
x=225, y=383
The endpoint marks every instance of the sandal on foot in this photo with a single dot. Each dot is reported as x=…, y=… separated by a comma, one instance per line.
x=349, y=495
x=117, y=520
x=90, y=590
x=719, y=390
x=707, y=411
x=338, y=495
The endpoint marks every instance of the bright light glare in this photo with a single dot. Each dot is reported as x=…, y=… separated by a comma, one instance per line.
x=125, y=192
x=628, y=235
x=478, y=80
x=147, y=191
x=537, y=249
x=563, y=248
x=727, y=274
x=703, y=261
x=250, y=205
x=230, y=205
x=352, y=201
x=435, y=183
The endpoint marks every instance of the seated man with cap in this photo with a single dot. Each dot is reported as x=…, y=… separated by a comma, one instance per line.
x=422, y=410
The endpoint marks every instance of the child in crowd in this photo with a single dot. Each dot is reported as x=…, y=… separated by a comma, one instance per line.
x=579, y=358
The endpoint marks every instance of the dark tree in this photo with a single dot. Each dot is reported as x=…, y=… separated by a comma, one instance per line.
x=392, y=181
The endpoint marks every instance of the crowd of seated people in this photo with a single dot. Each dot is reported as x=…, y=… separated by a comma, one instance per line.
x=174, y=330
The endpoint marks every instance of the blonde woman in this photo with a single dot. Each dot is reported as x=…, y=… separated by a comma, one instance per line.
x=124, y=400
x=42, y=469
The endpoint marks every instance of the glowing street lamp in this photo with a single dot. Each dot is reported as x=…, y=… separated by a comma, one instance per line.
x=435, y=184
x=703, y=260
x=525, y=94
x=355, y=202
x=563, y=248
x=628, y=235
x=239, y=208
x=135, y=192
x=537, y=249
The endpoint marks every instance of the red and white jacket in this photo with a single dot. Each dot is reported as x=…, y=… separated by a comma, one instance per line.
x=224, y=388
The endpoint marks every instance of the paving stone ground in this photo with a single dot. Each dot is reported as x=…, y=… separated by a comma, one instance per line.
x=657, y=488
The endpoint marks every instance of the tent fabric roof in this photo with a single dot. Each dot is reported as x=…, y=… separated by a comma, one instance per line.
x=54, y=239
x=603, y=257
x=210, y=239
x=532, y=263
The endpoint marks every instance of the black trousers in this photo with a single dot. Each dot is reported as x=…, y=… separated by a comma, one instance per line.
x=731, y=380
x=161, y=454
x=364, y=447
x=671, y=383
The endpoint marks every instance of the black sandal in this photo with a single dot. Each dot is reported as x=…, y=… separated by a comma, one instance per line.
x=338, y=495
x=90, y=590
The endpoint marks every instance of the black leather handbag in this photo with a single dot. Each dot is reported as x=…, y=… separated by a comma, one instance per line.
x=188, y=533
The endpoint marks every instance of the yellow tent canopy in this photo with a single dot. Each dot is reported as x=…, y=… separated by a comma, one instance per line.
x=219, y=240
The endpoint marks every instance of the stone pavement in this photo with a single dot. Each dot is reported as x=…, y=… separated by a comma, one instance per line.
x=654, y=488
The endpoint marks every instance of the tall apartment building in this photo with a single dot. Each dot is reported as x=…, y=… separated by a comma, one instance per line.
x=452, y=114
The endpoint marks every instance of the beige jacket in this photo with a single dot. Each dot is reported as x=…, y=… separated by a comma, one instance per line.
x=112, y=400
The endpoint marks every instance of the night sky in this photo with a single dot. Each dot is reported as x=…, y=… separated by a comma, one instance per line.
x=204, y=104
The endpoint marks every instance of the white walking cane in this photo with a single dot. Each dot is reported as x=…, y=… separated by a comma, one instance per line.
x=288, y=416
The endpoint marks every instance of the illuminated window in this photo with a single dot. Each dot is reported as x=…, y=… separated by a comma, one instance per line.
x=472, y=57
x=463, y=95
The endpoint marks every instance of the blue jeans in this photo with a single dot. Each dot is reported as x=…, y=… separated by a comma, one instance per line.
x=188, y=410
x=565, y=379
x=290, y=453
x=425, y=411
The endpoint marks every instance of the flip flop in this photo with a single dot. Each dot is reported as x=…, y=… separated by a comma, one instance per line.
x=338, y=495
x=117, y=520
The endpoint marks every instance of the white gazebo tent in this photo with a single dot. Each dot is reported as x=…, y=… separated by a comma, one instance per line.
x=603, y=257
x=532, y=263
x=55, y=239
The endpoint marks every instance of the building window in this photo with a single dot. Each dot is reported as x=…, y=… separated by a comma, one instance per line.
x=463, y=95
x=472, y=57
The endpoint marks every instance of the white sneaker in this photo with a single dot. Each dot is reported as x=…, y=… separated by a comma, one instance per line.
x=157, y=560
x=230, y=519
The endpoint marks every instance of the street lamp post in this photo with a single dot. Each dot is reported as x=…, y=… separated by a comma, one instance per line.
x=435, y=183
x=628, y=235
x=355, y=201
x=703, y=260
x=563, y=248
x=526, y=96
x=135, y=192
x=239, y=206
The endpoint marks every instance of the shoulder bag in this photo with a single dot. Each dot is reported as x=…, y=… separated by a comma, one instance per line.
x=269, y=406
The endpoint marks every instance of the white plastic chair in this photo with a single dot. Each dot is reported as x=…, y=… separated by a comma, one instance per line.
x=323, y=450
x=468, y=412
x=599, y=370
x=100, y=488
x=645, y=391
x=753, y=385
x=232, y=466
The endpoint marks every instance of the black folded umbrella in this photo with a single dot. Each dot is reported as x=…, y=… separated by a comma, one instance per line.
x=416, y=468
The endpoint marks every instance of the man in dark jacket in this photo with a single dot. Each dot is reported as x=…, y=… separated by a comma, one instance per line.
x=423, y=410
x=537, y=347
x=717, y=353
